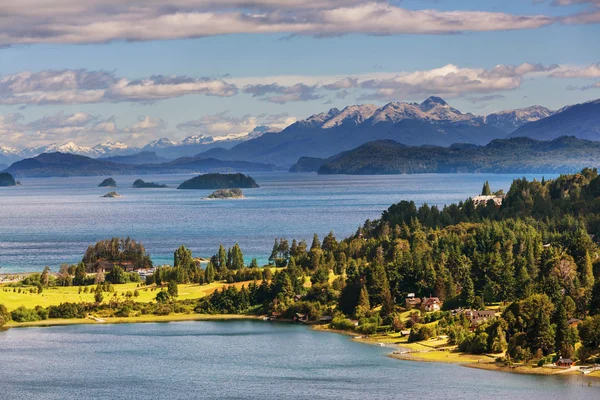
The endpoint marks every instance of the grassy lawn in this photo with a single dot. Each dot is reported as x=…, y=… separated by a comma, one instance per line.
x=57, y=295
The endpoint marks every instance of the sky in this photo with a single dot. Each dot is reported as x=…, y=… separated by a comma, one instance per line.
x=137, y=70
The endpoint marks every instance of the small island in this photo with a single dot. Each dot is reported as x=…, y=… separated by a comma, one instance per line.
x=219, y=181
x=227, y=194
x=140, y=184
x=108, y=182
x=7, y=179
x=112, y=195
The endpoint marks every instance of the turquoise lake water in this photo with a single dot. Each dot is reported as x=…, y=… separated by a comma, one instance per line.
x=241, y=360
x=52, y=221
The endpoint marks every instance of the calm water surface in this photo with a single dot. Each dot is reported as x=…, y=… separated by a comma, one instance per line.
x=51, y=221
x=241, y=360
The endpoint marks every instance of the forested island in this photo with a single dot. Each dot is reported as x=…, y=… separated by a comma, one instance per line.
x=6, y=180
x=226, y=194
x=108, y=182
x=219, y=181
x=514, y=280
x=141, y=184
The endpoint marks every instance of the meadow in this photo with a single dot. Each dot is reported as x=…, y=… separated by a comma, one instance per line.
x=12, y=298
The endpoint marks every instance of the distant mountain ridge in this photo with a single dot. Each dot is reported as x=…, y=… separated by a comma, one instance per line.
x=515, y=155
x=580, y=120
x=66, y=164
x=432, y=122
x=144, y=157
x=163, y=147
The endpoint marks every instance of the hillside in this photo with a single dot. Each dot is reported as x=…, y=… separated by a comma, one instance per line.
x=516, y=155
x=581, y=120
x=60, y=164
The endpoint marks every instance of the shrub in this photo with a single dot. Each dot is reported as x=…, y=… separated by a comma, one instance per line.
x=420, y=332
x=23, y=314
x=342, y=323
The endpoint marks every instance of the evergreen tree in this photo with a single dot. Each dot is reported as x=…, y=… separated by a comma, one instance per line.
x=209, y=273
x=587, y=273
x=562, y=330
x=486, y=191
x=467, y=294
x=541, y=333
x=316, y=244
x=222, y=256
x=363, y=307
x=273, y=256
x=172, y=289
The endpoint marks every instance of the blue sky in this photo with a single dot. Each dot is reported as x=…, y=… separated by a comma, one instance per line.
x=134, y=70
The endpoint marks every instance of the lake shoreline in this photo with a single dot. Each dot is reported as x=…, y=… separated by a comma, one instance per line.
x=469, y=361
x=461, y=359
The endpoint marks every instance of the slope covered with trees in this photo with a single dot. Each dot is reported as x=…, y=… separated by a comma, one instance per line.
x=522, y=155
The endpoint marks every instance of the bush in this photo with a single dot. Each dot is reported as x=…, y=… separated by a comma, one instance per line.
x=23, y=314
x=420, y=332
x=342, y=323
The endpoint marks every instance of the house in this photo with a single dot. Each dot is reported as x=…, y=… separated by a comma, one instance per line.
x=326, y=318
x=483, y=200
x=565, y=362
x=475, y=316
x=105, y=267
x=405, y=332
x=431, y=304
x=573, y=322
x=412, y=301
x=101, y=267
x=301, y=317
x=273, y=316
x=298, y=297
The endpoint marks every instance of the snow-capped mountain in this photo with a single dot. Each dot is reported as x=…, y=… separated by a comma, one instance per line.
x=431, y=122
x=8, y=155
x=161, y=143
x=433, y=109
x=354, y=114
x=113, y=149
x=510, y=120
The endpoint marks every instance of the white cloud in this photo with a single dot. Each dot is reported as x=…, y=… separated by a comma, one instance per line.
x=99, y=21
x=590, y=71
x=83, y=86
x=223, y=124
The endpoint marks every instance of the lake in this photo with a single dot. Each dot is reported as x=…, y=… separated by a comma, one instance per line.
x=52, y=221
x=241, y=360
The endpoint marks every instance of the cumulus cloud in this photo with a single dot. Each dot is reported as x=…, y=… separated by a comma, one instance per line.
x=83, y=86
x=591, y=71
x=449, y=81
x=225, y=125
x=275, y=93
x=100, y=21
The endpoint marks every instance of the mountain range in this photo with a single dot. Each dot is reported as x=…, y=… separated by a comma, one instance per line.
x=163, y=147
x=432, y=122
x=565, y=154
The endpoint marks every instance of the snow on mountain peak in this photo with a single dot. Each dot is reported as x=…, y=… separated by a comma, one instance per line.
x=357, y=114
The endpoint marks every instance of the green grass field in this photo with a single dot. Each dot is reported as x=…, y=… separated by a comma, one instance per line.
x=58, y=295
